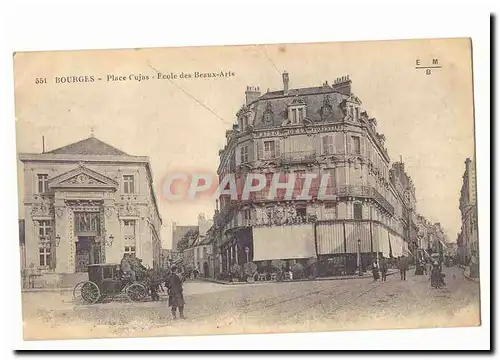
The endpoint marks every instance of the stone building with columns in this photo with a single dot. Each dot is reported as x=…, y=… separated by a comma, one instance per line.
x=88, y=203
x=315, y=130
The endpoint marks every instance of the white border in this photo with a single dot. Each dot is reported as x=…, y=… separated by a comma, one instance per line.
x=126, y=25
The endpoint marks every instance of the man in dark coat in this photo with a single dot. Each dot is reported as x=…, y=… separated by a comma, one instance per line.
x=175, y=297
x=384, y=267
x=403, y=267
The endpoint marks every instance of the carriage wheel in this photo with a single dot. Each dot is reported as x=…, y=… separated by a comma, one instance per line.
x=77, y=291
x=136, y=292
x=90, y=292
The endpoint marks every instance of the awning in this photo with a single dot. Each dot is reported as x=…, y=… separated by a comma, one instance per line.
x=381, y=240
x=406, y=249
x=396, y=245
x=283, y=242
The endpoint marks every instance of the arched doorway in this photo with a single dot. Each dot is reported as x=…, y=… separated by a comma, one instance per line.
x=205, y=269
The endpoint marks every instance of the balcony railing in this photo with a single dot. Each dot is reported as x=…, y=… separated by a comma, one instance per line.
x=341, y=191
x=298, y=157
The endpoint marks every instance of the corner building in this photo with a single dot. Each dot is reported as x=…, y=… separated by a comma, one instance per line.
x=88, y=203
x=319, y=130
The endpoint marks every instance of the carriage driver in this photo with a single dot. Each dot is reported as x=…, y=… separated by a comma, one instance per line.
x=126, y=268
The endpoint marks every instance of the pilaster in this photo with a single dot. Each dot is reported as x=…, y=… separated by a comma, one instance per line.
x=63, y=253
x=114, y=252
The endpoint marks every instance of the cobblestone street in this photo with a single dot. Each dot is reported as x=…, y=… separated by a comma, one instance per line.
x=263, y=308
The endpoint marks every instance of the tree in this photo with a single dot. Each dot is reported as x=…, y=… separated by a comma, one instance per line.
x=183, y=243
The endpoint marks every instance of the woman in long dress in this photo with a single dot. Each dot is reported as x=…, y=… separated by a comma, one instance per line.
x=436, y=280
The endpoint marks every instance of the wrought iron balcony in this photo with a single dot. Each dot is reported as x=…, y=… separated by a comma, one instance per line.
x=298, y=157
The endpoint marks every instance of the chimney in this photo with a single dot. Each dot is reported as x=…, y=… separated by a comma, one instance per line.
x=251, y=94
x=342, y=85
x=285, y=83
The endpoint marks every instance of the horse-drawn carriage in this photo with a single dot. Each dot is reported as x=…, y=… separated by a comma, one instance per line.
x=106, y=281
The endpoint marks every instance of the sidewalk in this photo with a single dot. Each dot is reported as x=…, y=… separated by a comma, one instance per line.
x=48, y=289
x=466, y=270
x=367, y=275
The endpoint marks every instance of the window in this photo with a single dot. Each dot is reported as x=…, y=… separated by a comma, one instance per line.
x=205, y=252
x=44, y=256
x=244, y=154
x=358, y=211
x=328, y=148
x=297, y=115
x=247, y=216
x=87, y=222
x=269, y=149
x=128, y=184
x=44, y=229
x=356, y=145
x=129, y=230
x=302, y=212
x=43, y=182
x=130, y=250
x=244, y=123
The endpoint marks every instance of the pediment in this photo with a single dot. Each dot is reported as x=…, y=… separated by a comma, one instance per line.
x=82, y=177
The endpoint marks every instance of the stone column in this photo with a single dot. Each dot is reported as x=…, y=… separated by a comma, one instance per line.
x=236, y=253
x=63, y=254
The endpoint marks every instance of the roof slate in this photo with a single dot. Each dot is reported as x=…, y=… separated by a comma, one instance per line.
x=89, y=146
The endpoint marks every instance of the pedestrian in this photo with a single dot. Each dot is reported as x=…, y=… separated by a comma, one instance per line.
x=175, y=297
x=375, y=270
x=384, y=267
x=403, y=267
x=436, y=279
x=126, y=267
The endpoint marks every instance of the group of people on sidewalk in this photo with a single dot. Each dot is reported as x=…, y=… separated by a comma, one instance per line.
x=433, y=268
x=380, y=267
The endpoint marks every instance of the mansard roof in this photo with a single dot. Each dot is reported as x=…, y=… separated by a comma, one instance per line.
x=299, y=92
x=89, y=146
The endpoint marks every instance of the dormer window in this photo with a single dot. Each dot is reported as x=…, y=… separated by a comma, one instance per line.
x=297, y=111
x=297, y=114
x=244, y=123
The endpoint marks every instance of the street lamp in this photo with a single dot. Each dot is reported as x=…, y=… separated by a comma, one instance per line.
x=360, y=270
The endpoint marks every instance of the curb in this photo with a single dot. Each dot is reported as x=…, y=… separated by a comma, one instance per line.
x=353, y=277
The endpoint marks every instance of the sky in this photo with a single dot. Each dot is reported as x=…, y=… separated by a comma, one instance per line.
x=181, y=123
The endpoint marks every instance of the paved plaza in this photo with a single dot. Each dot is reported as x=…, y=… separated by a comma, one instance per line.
x=352, y=304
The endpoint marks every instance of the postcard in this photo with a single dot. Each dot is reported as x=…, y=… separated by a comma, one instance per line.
x=247, y=189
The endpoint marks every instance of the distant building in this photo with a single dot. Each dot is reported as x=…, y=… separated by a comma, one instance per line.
x=468, y=244
x=198, y=253
x=178, y=232
x=88, y=203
